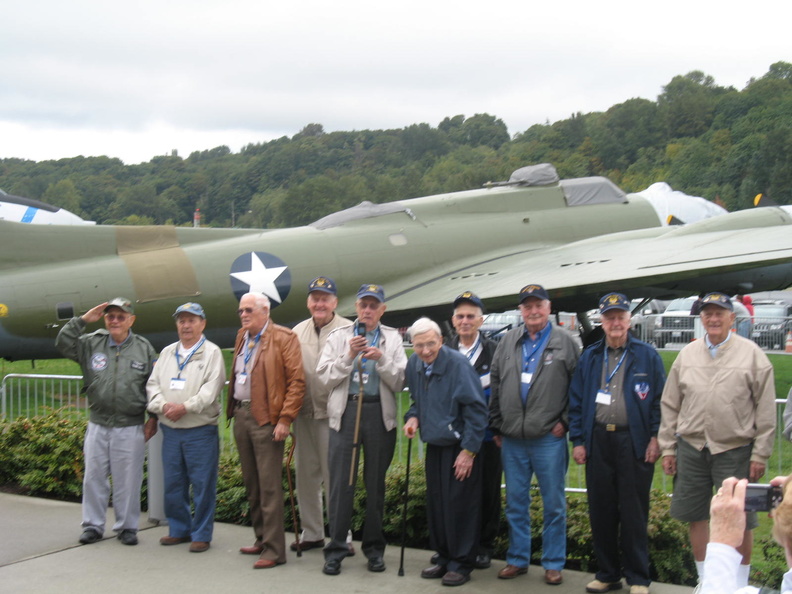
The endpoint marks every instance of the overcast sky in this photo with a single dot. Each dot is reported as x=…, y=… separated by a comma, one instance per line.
x=139, y=79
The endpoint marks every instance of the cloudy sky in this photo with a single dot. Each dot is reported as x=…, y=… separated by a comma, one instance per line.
x=138, y=79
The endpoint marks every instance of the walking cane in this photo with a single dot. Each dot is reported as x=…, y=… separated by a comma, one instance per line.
x=291, y=494
x=404, y=510
x=356, y=438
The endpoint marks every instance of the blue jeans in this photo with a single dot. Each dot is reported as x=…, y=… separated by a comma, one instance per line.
x=548, y=457
x=190, y=457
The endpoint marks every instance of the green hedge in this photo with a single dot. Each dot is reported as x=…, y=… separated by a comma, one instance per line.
x=43, y=456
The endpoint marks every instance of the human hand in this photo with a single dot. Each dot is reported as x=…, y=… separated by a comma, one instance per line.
x=669, y=465
x=727, y=513
x=281, y=431
x=579, y=454
x=150, y=428
x=558, y=429
x=94, y=314
x=463, y=465
x=756, y=471
x=174, y=412
x=410, y=427
x=652, y=451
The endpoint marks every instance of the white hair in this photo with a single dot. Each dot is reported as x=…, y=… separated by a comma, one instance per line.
x=261, y=299
x=423, y=325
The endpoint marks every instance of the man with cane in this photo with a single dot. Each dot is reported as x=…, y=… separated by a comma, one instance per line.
x=449, y=408
x=363, y=366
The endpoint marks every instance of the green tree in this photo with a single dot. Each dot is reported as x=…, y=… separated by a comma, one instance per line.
x=65, y=194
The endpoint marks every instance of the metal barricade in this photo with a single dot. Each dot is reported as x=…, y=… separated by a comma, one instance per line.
x=30, y=394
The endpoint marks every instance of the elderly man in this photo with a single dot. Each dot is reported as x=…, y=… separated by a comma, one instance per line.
x=184, y=391
x=116, y=363
x=531, y=370
x=718, y=420
x=264, y=397
x=449, y=408
x=467, y=319
x=614, y=416
x=362, y=366
x=311, y=428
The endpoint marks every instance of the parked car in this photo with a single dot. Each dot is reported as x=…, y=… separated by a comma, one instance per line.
x=643, y=321
x=771, y=324
x=495, y=325
x=675, y=325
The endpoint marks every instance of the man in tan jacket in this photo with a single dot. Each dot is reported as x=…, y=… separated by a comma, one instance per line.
x=265, y=394
x=718, y=420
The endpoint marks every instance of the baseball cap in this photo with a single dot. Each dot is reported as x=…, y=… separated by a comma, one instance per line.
x=468, y=297
x=718, y=299
x=324, y=284
x=614, y=301
x=375, y=291
x=537, y=291
x=190, y=308
x=121, y=303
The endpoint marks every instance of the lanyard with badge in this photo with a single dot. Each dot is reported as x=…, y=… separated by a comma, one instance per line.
x=357, y=373
x=604, y=395
x=177, y=383
x=472, y=355
x=527, y=376
x=250, y=347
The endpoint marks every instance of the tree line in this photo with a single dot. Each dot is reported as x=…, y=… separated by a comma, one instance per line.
x=701, y=138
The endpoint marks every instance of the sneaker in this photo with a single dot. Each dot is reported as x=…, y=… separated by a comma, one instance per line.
x=90, y=536
x=638, y=589
x=598, y=586
x=128, y=537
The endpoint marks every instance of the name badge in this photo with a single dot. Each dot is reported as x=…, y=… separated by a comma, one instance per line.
x=241, y=379
x=177, y=384
x=526, y=377
x=356, y=378
x=604, y=397
x=485, y=381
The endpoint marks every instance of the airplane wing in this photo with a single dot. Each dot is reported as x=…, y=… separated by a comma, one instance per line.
x=732, y=253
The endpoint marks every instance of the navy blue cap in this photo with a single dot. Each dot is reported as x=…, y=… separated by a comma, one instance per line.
x=718, y=299
x=614, y=301
x=537, y=291
x=468, y=297
x=324, y=284
x=371, y=291
x=190, y=308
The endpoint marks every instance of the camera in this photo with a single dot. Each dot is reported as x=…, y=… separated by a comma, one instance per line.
x=760, y=497
x=360, y=328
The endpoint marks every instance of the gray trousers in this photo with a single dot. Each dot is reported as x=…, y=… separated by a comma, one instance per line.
x=118, y=452
x=377, y=447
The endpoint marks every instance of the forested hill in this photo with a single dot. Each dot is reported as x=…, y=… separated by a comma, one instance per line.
x=701, y=138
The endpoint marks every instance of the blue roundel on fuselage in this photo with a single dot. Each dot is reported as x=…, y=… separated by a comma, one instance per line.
x=260, y=272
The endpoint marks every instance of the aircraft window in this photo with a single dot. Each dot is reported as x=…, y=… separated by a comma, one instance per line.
x=64, y=311
x=364, y=210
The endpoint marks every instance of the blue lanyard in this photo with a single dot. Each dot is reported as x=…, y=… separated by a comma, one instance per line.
x=528, y=356
x=249, y=348
x=374, y=342
x=609, y=376
x=187, y=360
x=470, y=354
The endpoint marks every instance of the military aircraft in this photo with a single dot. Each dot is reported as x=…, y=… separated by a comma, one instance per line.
x=579, y=238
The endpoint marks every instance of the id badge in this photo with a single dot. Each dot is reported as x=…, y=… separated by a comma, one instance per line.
x=604, y=397
x=241, y=379
x=177, y=383
x=526, y=377
x=485, y=381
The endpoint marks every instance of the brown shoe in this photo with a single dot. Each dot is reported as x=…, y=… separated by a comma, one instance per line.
x=553, y=577
x=256, y=549
x=511, y=571
x=265, y=564
x=167, y=541
x=307, y=545
x=198, y=546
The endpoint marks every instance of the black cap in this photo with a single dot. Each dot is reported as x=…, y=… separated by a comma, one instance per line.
x=718, y=299
x=468, y=297
x=614, y=301
x=324, y=284
x=371, y=291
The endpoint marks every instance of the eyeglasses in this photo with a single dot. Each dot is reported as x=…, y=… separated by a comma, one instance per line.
x=469, y=316
x=245, y=310
x=113, y=317
x=425, y=345
x=369, y=304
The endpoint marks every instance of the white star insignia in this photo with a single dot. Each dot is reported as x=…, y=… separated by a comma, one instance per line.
x=261, y=279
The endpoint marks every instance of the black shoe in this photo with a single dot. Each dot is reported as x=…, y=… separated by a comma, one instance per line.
x=128, y=537
x=434, y=572
x=90, y=536
x=435, y=558
x=483, y=561
x=376, y=564
x=452, y=578
x=307, y=545
x=332, y=567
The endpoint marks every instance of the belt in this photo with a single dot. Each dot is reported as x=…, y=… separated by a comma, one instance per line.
x=367, y=398
x=612, y=427
x=242, y=404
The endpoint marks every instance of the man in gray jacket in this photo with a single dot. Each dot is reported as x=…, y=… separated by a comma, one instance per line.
x=116, y=365
x=531, y=371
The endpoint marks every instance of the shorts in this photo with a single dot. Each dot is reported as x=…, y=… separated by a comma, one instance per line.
x=699, y=473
